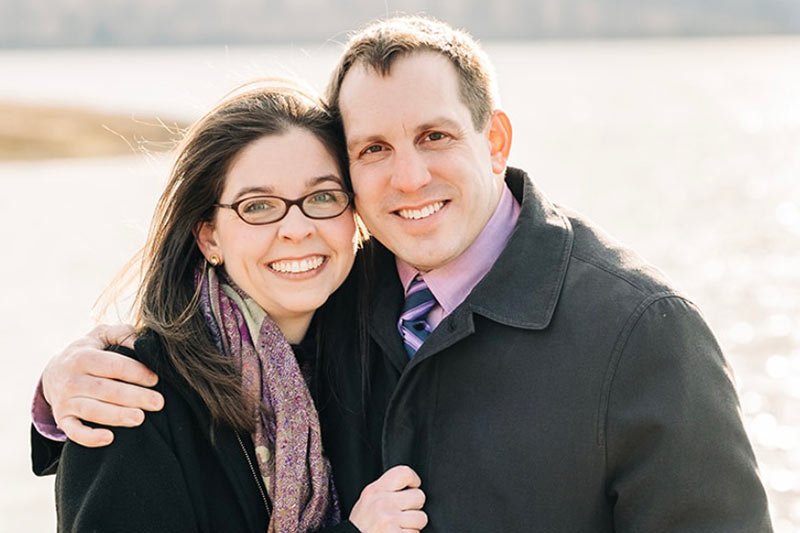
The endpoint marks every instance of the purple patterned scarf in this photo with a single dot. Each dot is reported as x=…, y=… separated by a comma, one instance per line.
x=287, y=441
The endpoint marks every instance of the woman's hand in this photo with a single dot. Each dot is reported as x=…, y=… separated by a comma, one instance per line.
x=392, y=503
x=85, y=382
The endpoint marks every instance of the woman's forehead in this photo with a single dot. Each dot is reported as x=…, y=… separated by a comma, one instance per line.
x=285, y=163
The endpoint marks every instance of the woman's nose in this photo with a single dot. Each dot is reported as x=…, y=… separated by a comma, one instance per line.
x=295, y=226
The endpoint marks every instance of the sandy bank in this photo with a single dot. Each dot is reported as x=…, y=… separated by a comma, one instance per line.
x=42, y=132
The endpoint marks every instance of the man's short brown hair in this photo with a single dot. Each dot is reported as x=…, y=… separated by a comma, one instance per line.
x=380, y=43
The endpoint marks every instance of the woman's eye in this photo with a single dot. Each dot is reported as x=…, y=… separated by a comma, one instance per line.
x=373, y=149
x=324, y=197
x=259, y=205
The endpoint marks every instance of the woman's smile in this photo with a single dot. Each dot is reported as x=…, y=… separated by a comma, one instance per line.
x=306, y=265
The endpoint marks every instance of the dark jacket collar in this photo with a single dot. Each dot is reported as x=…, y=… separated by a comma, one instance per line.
x=523, y=286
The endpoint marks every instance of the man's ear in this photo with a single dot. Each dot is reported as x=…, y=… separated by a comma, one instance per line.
x=499, y=135
x=206, y=238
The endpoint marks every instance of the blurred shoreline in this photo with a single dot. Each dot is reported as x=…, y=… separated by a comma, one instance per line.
x=36, y=132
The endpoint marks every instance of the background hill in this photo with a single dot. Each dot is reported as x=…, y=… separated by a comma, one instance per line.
x=35, y=23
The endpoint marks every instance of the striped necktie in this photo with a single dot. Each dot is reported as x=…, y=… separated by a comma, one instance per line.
x=413, y=324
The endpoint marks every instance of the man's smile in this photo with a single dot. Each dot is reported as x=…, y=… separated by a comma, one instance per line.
x=421, y=212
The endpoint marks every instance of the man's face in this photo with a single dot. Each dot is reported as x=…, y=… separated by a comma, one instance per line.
x=426, y=182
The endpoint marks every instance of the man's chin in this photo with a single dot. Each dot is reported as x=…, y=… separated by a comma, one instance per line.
x=425, y=258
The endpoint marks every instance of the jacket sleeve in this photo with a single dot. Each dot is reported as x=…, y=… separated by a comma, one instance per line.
x=678, y=457
x=45, y=453
x=134, y=484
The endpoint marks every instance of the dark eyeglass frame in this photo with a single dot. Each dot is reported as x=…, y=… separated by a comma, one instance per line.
x=288, y=204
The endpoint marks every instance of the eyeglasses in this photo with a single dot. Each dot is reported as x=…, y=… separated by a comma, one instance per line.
x=259, y=210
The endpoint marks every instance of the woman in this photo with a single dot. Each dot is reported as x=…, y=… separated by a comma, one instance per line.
x=252, y=235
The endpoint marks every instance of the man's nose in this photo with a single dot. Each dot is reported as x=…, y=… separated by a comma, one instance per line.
x=295, y=226
x=410, y=170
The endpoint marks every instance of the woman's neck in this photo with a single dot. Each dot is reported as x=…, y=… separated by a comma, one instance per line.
x=294, y=328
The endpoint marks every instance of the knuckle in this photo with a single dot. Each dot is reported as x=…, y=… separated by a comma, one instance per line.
x=63, y=409
x=71, y=427
x=132, y=417
x=70, y=388
x=408, y=472
x=67, y=386
x=368, y=491
x=65, y=361
x=80, y=409
x=95, y=384
x=98, y=333
x=365, y=495
x=116, y=366
x=74, y=358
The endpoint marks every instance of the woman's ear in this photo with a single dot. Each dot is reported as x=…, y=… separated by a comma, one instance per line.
x=205, y=236
x=499, y=135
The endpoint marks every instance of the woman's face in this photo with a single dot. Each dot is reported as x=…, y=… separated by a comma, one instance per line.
x=289, y=267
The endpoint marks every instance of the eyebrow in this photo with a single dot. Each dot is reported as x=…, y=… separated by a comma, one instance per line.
x=310, y=183
x=439, y=122
x=432, y=124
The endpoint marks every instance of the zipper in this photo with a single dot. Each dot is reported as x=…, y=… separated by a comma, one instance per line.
x=255, y=476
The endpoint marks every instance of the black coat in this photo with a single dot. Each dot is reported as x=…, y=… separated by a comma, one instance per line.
x=573, y=391
x=163, y=476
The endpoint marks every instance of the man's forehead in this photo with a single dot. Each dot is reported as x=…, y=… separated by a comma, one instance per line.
x=365, y=88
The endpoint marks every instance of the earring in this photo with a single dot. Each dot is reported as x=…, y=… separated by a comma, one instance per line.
x=215, y=260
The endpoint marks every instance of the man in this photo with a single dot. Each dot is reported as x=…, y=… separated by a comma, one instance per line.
x=536, y=375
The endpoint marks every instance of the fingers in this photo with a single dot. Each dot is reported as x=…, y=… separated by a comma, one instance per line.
x=112, y=392
x=397, y=478
x=84, y=435
x=86, y=382
x=121, y=334
x=409, y=499
x=114, y=366
x=104, y=401
x=90, y=410
x=390, y=503
x=379, y=519
x=94, y=374
x=413, y=521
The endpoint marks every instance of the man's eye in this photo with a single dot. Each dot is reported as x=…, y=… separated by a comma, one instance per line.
x=435, y=136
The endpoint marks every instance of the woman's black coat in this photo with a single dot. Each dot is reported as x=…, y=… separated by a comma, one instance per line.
x=165, y=475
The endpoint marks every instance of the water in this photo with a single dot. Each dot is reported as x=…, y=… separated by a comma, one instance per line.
x=687, y=150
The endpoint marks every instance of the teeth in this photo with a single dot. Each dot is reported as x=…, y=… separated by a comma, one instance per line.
x=295, y=267
x=416, y=214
